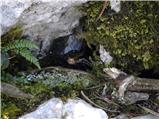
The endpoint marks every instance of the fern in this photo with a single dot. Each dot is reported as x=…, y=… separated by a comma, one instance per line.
x=19, y=44
x=21, y=47
x=28, y=56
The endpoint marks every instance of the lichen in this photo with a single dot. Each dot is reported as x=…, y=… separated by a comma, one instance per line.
x=55, y=76
x=10, y=111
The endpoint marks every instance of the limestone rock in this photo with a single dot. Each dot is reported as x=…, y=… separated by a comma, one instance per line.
x=54, y=108
x=75, y=109
x=41, y=20
x=47, y=110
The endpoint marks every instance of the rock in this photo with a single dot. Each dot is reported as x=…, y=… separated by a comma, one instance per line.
x=149, y=116
x=11, y=12
x=41, y=20
x=133, y=97
x=104, y=55
x=53, y=76
x=115, y=5
x=49, y=109
x=13, y=91
x=75, y=109
x=54, y=108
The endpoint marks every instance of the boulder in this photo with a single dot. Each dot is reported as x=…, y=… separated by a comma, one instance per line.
x=73, y=109
x=47, y=110
x=41, y=20
x=79, y=109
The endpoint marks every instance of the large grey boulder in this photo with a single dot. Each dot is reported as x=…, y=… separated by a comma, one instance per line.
x=48, y=110
x=72, y=109
x=79, y=109
x=41, y=20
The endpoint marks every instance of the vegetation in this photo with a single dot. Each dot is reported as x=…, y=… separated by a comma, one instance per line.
x=21, y=47
x=12, y=46
x=131, y=36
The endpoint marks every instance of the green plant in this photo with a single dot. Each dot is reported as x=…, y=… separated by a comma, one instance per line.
x=20, y=47
x=131, y=36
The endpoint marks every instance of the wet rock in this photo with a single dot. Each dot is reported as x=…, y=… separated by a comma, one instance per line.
x=41, y=20
x=55, y=108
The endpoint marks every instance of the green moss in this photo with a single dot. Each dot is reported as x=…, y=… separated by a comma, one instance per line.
x=36, y=89
x=13, y=34
x=10, y=111
x=131, y=35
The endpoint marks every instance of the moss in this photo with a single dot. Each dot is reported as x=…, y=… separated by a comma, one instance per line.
x=131, y=35
x=12, y=34
x=10, y=111
x=36, y=89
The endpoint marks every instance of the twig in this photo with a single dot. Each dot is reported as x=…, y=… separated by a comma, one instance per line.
x=11, y=57
x=149, y=110
x=82, y=93
x=102, y=11
x=107, y=100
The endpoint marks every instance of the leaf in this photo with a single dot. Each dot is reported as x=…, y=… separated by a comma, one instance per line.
x=28, y=56
x=20, y=44
x=4, y=60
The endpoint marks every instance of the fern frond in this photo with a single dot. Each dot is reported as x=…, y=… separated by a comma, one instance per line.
x=17, y=44
x=24, y=52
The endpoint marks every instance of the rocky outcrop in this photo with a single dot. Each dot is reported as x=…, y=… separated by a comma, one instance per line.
x=41, y=20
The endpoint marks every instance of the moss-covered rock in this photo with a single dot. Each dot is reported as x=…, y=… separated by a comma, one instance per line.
x=131, y=35
x=13, y=34
x=44, y=84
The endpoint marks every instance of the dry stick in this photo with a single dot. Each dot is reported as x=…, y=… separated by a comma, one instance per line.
x=107, y=100
x=144, y=84
x=11, y=57
x=82, y=93
x=149, y=110
x=102, y=11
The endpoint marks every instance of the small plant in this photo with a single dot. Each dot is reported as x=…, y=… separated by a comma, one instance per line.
x=20, y=47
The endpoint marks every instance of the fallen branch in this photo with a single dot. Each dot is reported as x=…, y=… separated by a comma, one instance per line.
x=102, y=11
x=131, y=83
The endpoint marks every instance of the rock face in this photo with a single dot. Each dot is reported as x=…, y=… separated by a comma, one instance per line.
x=41, y=20
x=73, y=109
